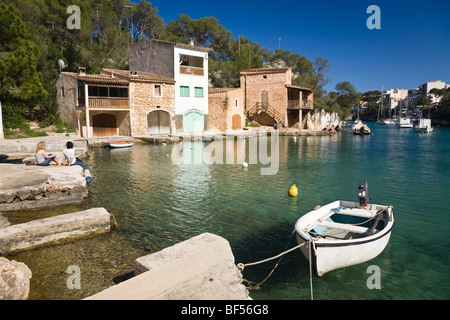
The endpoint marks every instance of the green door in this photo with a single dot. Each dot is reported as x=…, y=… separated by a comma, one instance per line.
x=193, y=121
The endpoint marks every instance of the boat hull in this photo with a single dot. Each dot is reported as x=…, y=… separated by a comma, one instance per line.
x=424, y=130
x=329, y=257
x=329, y=245
x=119, y=145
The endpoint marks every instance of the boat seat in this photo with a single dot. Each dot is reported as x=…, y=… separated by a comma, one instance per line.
x=343, y=226
x=357, y=213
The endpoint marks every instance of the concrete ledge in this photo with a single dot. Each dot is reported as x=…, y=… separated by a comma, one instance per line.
x=201, y=268
x=53, y=230
x=35, y=187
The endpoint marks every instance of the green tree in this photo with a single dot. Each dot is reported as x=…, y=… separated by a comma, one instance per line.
x=21, y=86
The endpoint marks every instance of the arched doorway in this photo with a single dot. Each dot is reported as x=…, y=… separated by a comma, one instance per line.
x=236, y=122
x=104, y=125
x=158, y=122
x=193, y=121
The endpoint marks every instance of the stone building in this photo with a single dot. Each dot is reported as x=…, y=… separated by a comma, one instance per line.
x=117, y=102
x=188, y=66
x=226, y=109
x=270, y=98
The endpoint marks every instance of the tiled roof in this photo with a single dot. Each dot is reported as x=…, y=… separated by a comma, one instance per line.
x=101, y=79
x=265, y=70
x=220, y=90
x=138, y=76
x=298, y=87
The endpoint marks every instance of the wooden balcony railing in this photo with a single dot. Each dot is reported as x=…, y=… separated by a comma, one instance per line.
x=194, y=71
x=106, y=103
x=295, y=104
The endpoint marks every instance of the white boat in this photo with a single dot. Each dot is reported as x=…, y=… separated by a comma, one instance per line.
x=424, y=126
x=121, y=144
x=360, y=128
x=386, y=122
x=404, y=123
x=344, y=233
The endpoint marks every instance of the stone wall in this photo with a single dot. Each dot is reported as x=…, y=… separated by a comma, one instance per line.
x=144, y=101
x=222, y=108
x=274, y=82
x=67, y=87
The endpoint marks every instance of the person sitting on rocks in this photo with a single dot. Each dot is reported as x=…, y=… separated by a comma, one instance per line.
x=42, y=158
x=69, y=156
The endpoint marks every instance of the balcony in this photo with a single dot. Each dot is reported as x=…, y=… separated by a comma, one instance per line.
x=296, y=104
x=192, y=71
x=106, y=103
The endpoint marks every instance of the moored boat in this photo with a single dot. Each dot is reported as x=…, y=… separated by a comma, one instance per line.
x=360, y=128
x=344, y=233
x=424, y=126
x=404, y=123
x=120, y=144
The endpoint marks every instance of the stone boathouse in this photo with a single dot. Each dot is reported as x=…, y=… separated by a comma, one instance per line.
x=271, y=98
x=117, y=102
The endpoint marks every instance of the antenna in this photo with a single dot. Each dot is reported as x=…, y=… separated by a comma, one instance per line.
x=62, y=64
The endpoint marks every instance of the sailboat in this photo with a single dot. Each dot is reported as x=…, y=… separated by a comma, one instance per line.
x=381, y=121
x=359, y=128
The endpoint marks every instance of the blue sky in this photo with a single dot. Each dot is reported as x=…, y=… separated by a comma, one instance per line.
x=411, y=48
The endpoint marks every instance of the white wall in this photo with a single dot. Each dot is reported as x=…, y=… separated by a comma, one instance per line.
x=183, y=104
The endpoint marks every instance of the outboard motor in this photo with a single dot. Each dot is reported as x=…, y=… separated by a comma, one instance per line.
x=363, y=193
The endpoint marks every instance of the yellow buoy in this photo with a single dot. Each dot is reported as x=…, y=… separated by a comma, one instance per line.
x=293, y=191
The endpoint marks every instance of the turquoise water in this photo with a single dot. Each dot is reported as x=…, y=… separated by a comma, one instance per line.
x=161, y=203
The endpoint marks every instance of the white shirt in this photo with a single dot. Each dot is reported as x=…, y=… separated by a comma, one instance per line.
x=68, y=154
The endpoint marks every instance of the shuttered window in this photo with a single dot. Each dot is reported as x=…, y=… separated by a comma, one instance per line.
x=199, y=92
x=184, y=91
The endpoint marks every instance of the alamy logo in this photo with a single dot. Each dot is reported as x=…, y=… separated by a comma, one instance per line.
x=74, y=281
x=374, y=21
x=374, y=281
x=74, y=21
x=194, y=151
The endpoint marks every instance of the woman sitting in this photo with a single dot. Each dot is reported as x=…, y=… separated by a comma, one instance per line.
x=42, y=158
x=69, y=156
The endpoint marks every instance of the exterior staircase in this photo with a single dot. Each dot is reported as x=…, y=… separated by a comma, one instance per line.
x=267, y=108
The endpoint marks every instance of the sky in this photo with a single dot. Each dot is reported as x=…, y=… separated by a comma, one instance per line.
x=411, y=48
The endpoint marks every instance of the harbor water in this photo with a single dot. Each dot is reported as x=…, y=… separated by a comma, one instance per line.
x=158, y=202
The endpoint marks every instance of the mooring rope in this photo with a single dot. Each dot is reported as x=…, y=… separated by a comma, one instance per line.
x=257, y=286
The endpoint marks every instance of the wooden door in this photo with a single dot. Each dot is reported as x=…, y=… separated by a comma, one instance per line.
x=159, y=122
x=193, y=121
x=236, y=122
x=104, y=125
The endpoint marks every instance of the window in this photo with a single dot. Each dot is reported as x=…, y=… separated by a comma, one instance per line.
x=184, y=91
x=106, y=92
x=158, y=90
x=199, y=92
x=236, y=103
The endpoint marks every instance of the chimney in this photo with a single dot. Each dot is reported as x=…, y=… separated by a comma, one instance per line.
x=81, y=71
x=191, y=42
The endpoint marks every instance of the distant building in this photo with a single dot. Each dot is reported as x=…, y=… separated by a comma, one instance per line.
x=117, y=102
x=188, y=66
x=226, y=109
x=394, y=97
x=271, y=99
x=424, y=90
